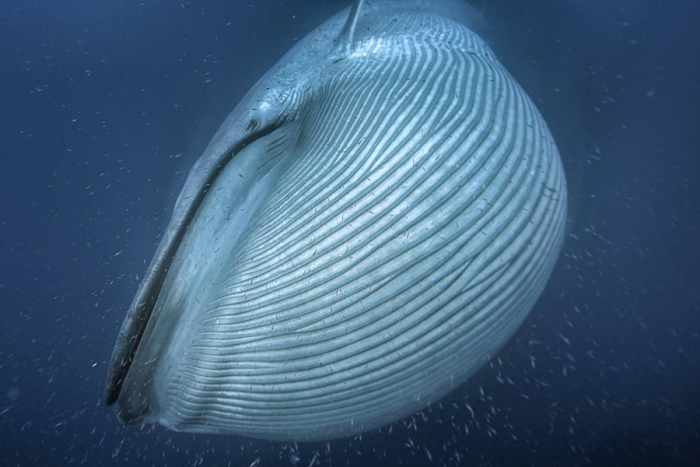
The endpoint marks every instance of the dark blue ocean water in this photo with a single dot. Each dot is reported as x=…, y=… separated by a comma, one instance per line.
x=104, y=105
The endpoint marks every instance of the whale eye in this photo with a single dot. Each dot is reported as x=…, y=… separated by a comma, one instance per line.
x=252, y=125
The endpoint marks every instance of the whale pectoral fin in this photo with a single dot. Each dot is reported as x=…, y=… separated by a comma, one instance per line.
x=142, y=306
x=201, y=177
x=347, y=34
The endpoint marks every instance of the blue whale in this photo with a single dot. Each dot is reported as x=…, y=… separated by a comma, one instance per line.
x=372, y=223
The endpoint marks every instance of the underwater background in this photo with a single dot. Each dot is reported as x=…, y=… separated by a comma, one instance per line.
x=105, y=105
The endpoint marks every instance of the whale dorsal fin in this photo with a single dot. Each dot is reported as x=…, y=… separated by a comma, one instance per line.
x=347, y=34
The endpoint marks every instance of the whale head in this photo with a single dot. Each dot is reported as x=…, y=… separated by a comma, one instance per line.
x=371, y=223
